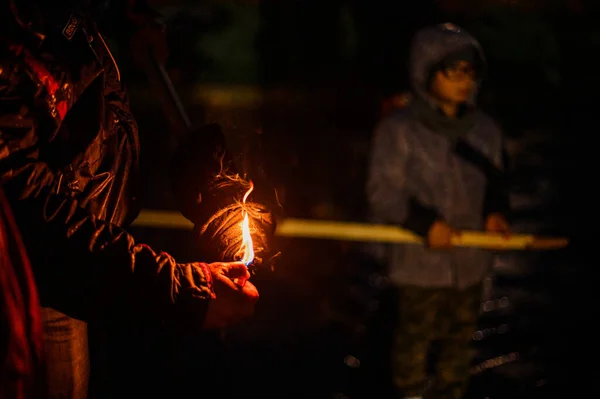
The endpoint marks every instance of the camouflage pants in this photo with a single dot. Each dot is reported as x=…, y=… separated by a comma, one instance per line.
x=447, y=317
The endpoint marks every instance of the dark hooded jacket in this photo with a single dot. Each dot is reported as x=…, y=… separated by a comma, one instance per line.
x=68, y=164
x=425, y=166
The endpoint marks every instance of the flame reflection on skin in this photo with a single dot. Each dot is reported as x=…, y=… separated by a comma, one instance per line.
x=247, y=247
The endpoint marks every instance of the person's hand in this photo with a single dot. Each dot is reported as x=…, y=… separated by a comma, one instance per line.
x=440, y=235
x=497, y=223
x=235, y=296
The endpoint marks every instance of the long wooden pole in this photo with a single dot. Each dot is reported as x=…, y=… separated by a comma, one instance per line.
x=348, y=231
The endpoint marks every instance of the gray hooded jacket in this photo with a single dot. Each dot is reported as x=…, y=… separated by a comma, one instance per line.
x=424, y=166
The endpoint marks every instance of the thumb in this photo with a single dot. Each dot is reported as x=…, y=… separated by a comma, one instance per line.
x=237, y=270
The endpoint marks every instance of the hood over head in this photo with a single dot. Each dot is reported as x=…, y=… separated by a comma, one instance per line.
x=435, y=44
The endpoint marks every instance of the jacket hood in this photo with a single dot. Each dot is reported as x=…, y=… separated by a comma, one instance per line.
x=433, y=44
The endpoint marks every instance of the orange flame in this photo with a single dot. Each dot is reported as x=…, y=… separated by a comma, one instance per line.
x=247, y=247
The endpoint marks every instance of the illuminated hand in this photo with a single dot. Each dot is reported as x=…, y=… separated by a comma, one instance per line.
x=235, y=297
x=440, y=235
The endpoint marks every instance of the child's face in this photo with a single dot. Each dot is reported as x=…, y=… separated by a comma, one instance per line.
x=455, y=83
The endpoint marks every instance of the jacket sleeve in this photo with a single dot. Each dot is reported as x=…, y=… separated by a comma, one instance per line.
x=390, y=193
x=83, y=266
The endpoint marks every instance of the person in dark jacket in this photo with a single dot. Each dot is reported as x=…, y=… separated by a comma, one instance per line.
x=437, y=168
x=68, y=166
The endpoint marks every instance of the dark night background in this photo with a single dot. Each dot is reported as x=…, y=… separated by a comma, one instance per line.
x=297, y=86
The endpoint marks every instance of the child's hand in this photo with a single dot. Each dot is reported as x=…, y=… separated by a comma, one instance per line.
x=497, y=223
x=440, y=235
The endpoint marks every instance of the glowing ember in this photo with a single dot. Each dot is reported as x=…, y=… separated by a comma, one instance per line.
x=247, y=248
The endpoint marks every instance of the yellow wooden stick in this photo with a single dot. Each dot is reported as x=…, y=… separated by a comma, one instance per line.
x=392, y=234
x=348, y=231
